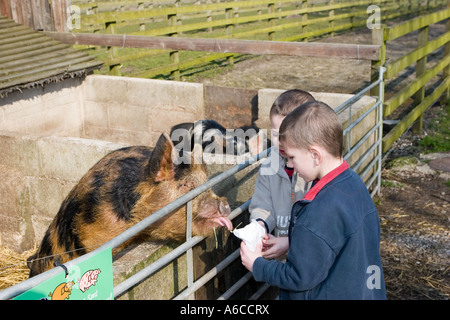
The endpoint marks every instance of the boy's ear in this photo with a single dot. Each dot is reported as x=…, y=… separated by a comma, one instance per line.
x=161, y=165
x=316, y=154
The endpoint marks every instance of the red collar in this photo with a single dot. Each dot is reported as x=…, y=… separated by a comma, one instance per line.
x=311, y=194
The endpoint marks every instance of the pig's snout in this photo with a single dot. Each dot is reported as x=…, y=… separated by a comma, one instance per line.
x=224, y=208
x=224, y=211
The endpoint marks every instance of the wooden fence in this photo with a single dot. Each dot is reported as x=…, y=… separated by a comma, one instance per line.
x=37, y=14
x=423, y=76
x=376, y=53
x=281, y=20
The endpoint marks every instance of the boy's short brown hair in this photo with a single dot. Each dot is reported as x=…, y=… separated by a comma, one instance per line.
x=313, y=123
x=288, y=101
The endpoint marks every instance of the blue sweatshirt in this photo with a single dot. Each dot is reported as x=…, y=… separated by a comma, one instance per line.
x=334, y=238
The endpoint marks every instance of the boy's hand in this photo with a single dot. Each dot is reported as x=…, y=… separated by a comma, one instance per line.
x=248, y=257
x=274, y=247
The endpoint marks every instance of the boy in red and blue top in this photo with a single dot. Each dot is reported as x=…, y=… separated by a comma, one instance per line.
x=334, y=233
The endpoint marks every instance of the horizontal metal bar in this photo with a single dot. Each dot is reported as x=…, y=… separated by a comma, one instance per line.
x=366, y=154
x=369, y=167
x=355, y=98
x=163, y=261
x=360, y=94
x=125, y=285
x=235, y=287
x=209, y=275
x=361, y=117
x=360, y=142
x=260, y=291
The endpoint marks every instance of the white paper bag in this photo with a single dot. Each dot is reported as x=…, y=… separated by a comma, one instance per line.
x=252, y=234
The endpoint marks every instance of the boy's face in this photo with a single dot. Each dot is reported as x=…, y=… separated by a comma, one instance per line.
x=302, y=160
x=275, y=122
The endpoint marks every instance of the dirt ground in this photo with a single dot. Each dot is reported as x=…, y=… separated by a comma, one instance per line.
x=415, y=221
x=414, y=200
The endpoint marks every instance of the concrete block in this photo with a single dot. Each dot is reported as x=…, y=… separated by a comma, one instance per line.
x=125, y=116
x=14, y=201
x=96, y=114
x=70, y=158
x=166, y=95
x=163, y=285
x=162, y=120
x=105, y=88
x=19, y=152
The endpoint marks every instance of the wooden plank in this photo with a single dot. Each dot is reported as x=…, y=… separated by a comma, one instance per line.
x=415, y=24
x=102, y=18
x=349, y=51
x=393, y=68
x=395, y=101
x=404, y=124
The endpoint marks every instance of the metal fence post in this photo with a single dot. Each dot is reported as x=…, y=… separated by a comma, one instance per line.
x=189, y=254
x=380, y=129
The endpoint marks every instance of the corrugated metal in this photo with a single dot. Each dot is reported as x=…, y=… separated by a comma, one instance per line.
x=28, y=58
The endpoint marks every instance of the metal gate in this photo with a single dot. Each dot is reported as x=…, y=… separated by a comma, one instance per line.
x=371, y=173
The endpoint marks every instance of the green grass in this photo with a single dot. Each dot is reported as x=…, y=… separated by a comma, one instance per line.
x=439, y=138
x=147, y=60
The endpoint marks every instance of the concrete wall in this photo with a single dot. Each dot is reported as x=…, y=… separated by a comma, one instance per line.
x=36, y=174
x=50, y=110
x=123, y=110
x=136, y=111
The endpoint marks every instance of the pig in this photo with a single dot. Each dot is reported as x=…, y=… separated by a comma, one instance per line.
x=88, y=279
x=123, y=188
x=62, y=291
x=214, y=138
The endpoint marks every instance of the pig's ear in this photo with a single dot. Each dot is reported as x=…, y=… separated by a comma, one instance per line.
x=197, y=155
x=161, y=164
x=256, y=143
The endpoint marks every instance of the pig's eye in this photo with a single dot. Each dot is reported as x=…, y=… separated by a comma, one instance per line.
x=186, y=186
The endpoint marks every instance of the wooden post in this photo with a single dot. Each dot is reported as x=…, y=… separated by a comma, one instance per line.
x=378, y=39
x=174, y=55
x=114, y=68
x=229, y=15
x=352, y=18
x=304, y=17
x=331, y=21
x=271, y=9
x=209, y=16
x=421, y=67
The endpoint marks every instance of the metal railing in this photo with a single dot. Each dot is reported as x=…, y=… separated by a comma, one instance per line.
x=374, y=166
x=375, y=163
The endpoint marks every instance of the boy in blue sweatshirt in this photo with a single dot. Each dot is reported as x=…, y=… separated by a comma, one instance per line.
x=334, y=232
